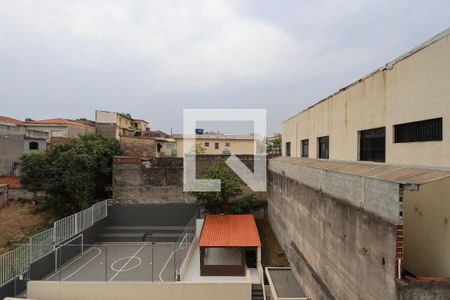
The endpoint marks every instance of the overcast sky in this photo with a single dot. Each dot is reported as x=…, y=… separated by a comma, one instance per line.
x=153, y=58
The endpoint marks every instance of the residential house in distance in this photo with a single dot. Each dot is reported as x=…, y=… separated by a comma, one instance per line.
x=15, y=140
x=216, y=143
x=371, y=163
x=59, y=129
x=85, y=122
x=146, y=147
x=274, y=144
x=10, y=121
x=114, y=124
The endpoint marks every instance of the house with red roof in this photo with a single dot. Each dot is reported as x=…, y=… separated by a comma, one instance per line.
x=229, y=245
x=10, y=121
x=60, y=129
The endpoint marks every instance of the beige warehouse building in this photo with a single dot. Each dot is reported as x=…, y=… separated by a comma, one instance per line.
x=397, y=114
x=377, y=149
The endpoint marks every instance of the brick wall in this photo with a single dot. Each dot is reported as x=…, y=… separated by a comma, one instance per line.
x=138, y=146
x=160, y=180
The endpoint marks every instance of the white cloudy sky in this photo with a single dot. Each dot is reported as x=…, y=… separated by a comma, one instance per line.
x=153, y=58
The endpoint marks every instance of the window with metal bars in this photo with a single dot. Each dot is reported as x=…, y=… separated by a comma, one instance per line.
x=288, y=149
x=372, y=145
x=305, y=148
x=324, y=147
x=421, y=131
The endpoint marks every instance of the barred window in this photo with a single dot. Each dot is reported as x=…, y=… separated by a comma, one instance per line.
x=324, y=147
x=372, y=145
x=33, y=146
x=421, y=131
x=305, y=148
x=288, y=149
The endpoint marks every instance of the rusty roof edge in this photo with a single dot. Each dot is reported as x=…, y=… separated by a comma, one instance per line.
x=389, y=65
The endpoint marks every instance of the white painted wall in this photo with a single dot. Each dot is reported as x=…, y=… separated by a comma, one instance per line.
x=426, y=229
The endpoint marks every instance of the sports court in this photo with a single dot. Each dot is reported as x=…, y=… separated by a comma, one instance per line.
x=104, y=243
x=136, y=261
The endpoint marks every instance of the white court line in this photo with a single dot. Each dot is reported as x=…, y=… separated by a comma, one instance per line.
x=70, y=263
x=165, y=265
x=85, y=264
x=131, y=257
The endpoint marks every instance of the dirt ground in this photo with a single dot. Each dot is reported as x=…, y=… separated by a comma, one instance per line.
x=271, y=252
x=18, y=221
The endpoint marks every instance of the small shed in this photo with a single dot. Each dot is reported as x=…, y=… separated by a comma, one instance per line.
x=229, y=244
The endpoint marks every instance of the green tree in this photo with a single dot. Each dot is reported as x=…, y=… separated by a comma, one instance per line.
x=216, y=202
x=74, y=175
x=198, y=149
x=244, y=205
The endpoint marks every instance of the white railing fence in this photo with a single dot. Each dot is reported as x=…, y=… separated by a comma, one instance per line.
x=18, y=260
x=14, y=263
x=183, y=243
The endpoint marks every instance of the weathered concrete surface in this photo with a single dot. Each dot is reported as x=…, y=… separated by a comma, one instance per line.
x=138, y=146
x=160, y=180
x=336, y=248
x=418, y=290
x=150, y=181
x=11, y=148
x=378, y=197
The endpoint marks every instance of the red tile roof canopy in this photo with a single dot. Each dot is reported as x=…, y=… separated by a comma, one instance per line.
x=60, y=121
x=9, y=120
x=229, y=231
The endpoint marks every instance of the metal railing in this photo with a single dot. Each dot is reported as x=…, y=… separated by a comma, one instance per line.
x=18, y=260
x=184, y=243
x=41, y=244
x=14, y=263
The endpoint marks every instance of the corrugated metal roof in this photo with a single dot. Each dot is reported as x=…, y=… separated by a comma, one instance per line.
x=386, y=172
x=229, y=231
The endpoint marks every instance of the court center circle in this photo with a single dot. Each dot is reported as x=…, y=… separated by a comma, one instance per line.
x=131, y=263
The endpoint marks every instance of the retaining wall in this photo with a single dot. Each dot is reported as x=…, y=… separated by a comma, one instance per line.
x=339, y=239
x=160, y=180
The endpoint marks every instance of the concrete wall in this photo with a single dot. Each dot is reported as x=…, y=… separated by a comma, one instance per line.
x=52, y=130
x=42, y=144
x=151, y=181
x=11, y=148
x=105, y=116
x=74, y=131
x=23, y=194
x=427, y=229
x=3, y=195
x=160, y=180
x=419, y=290
x=138, y=146
x=416, y=88
x=107, y=129
x=337, y=249
x=378, y=197
x=64, y=131
x=45, y=290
